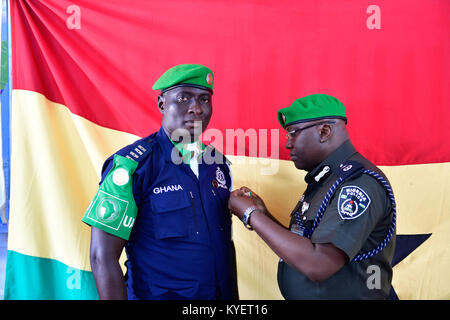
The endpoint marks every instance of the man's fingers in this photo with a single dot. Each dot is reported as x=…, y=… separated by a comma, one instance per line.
x=237, y=193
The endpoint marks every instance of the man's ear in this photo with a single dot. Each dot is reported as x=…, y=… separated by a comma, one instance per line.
x=161, y=103
x=325, y=132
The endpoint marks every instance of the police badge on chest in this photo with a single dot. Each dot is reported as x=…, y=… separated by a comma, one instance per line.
x=220, y=180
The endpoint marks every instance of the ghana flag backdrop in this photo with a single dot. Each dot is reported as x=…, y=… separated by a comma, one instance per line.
x=82, y=73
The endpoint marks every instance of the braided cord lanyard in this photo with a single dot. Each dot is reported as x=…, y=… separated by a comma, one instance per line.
x=326, y=200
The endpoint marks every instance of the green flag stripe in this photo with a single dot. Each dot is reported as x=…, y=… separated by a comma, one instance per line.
x=35, y=278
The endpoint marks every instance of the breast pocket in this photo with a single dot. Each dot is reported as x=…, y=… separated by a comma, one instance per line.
x=171, y=213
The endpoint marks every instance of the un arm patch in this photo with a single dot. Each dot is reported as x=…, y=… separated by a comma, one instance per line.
x=113, y=208
x=353, y=202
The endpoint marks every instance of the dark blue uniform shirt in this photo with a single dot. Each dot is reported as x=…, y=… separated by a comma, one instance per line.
x=180, y=246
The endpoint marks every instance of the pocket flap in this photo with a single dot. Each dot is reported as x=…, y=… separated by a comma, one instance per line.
x=169, y=200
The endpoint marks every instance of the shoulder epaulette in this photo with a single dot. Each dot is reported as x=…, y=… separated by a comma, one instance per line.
x=139, y=150
x=136, y=151
x=350, y=169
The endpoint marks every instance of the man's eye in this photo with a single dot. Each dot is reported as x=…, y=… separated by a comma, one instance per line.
x=182, y=99
x=205, y=100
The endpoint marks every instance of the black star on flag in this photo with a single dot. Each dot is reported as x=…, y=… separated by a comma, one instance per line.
x=405, y=245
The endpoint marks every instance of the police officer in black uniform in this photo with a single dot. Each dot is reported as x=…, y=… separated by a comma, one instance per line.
x=341, y=238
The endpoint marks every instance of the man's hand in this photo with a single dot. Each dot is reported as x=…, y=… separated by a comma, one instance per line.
x=317, y=261
x=241, y=199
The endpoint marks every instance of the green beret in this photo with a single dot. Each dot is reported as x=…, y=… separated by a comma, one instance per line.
x=312, y=107
x=191, y=75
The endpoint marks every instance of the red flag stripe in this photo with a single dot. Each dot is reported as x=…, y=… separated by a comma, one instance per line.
x=394, y=80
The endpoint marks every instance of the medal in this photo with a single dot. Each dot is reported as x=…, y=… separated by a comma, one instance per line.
x=305, y=207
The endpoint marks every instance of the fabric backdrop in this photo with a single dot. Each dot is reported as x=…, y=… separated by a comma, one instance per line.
x=82, y=73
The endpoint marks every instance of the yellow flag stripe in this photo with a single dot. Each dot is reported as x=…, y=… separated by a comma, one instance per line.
x=56, y=159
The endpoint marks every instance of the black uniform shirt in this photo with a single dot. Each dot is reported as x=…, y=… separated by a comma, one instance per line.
x=352, y=226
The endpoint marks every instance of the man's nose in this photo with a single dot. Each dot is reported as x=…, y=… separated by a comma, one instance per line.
x=196, y=107
x=288, y=144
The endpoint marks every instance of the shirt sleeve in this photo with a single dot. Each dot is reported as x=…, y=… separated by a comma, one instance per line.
x=352, y=215
x=113, y=208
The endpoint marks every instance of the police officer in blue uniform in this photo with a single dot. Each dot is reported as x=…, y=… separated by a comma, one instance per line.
x=341, y=237
x=164, y=199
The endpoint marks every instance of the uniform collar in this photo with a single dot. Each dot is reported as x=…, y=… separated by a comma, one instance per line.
x=168, y=147
x=321, y=172
x=187, y=150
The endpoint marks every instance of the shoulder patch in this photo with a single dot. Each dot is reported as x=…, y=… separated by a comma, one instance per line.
x=353, y=202
x=114, y=209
